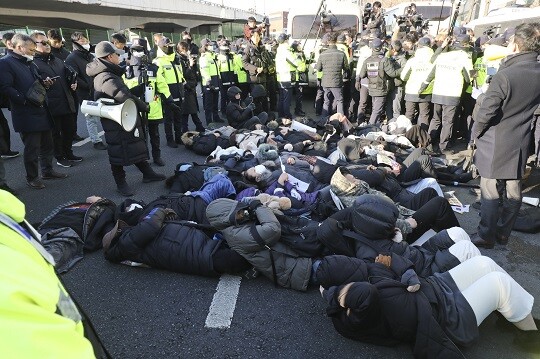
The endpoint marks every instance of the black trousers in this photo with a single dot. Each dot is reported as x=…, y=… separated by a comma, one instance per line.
x=38, y=146
x=377, y=104
x=435, y=214
x=442, y=125
x=210, y=104
x=196, y=121
x=363, y=103
x=63, y=132
x=224, y=99
x=422, y=109
x=353, y=104
x=153, y=133
x=173, y=123
x=298, y=97
x=319, y=98
x=337, y=94
x=417, y=165
x=271, y=89
x=119, y=173
x=226, y=260
x=5, y=132
x=284, y=103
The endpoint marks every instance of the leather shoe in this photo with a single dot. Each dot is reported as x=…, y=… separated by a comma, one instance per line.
x=502, y=239
x=35, y=184
x=53, y=175
x=480, y=242
x=159, y=162
x=100, y=146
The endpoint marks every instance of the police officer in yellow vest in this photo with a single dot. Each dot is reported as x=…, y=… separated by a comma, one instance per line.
x=415, y=72
x=451, y=72
x=38, y=318
x=173, y=75
x=286, y=65
x=239, y=71
x=301, y=80
x=225, y=61
x=140, y=71
x=210, y=81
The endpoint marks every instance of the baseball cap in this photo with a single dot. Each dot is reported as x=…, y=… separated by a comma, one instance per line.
x=105, y=48
x=424, y=41
x=376, y=43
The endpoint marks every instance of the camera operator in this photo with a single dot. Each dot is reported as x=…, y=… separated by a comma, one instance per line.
x=376, y=20
x=251, y=26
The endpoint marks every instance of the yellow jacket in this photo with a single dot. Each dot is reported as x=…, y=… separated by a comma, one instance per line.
x=38, y=319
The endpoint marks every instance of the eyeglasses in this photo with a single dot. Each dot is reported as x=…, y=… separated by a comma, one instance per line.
x=44, y=43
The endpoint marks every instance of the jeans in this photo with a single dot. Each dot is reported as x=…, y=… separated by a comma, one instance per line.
x=92, y=126
x=284, y=103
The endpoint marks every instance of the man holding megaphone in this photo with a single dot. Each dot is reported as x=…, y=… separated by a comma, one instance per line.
x=125, y=147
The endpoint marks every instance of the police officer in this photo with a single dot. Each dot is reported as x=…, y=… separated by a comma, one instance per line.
x=210, y=82
x=173, y=75
x=225, y=61
x=34, y=305
x=139, y=71
x=241, y=73
x=333, y=64
x=415, y=72
x=258, y=63
x=451, y=72
x=341, y=44
x=301, y=78
x=286, y=65
x=378, y=69
x=362, y=52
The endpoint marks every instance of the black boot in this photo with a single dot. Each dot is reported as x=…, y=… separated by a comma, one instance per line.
x=124, y=189
x=148, y=173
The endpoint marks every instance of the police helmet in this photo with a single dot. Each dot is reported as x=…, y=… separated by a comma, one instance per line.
x=282, y=38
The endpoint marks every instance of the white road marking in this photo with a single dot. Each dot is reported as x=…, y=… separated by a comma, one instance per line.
x=222, y=308
x=86, y=140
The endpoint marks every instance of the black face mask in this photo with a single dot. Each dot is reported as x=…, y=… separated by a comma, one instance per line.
x=168, y=50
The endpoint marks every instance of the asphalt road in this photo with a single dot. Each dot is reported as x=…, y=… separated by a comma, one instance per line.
x=148, y=313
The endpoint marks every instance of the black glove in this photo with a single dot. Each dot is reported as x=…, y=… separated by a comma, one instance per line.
x=254, y=204
x=175, y=108
x=423, y=87
x=170, y=215
x=251, y=106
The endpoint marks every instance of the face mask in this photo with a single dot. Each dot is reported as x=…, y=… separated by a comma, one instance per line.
x=138, y=53
x=210, y=48
x=29, y=58
x=86, y=47
x=169, y=50
x=268, y=47
x=260, y=169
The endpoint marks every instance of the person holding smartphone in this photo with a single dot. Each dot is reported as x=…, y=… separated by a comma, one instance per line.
x=62, y=104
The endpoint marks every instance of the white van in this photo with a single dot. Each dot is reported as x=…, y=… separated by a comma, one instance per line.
x=438, y=13
x=501, y=19
x=310, y=20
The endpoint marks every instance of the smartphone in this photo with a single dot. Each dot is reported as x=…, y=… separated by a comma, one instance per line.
x=54, y=78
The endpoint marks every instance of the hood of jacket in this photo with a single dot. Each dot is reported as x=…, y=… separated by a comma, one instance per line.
x=221, y=212
x=98, y=66
x=424, y=53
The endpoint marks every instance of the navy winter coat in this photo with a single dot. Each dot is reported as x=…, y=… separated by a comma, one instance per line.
x=16, y=77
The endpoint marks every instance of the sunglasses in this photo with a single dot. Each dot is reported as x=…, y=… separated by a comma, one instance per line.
x=44, y=43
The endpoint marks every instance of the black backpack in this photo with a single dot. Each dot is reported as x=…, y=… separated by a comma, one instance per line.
x=300, y=234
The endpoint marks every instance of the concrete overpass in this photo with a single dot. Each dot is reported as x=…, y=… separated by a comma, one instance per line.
x=152, y=15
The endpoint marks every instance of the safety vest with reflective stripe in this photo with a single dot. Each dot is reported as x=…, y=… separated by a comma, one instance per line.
x=38, y=318
x=209, y=70
x=286, y=64
x=172, y=73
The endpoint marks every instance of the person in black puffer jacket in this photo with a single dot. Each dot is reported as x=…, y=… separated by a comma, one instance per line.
x=239, y=116
x=386, y=303
x=125, y=148
x=161, y=242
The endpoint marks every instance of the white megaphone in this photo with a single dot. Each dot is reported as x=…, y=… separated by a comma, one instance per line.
x=124, y=114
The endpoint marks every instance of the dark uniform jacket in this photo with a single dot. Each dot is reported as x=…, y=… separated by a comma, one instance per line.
x=502, y=126
x=61, y=53
x=124, y=148
x=379, y=69
x=60, y=95
x=254, y=57
x=332, y=63
x=16, y=77
x=190, y=104
x=77, y=60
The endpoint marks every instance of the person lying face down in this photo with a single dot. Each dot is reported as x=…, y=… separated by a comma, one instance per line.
x=385, y=303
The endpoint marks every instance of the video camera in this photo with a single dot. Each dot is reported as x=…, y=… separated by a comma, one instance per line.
x=408, y=21
x=490, y=31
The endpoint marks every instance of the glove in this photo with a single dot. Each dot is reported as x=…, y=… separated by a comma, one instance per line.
x=411, y=280
x=147, y=109
x=423, y=87
x=251, y=106
x=170, y=215
x=174, y=107
x=253, y=205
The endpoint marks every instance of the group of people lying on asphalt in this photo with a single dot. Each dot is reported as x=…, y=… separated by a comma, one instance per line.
x=324, y=206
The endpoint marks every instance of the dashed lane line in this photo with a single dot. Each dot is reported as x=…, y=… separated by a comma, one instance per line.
x=86, y=140
x=222, y=308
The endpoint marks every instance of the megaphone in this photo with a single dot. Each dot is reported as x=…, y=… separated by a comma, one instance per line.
x=124, y=114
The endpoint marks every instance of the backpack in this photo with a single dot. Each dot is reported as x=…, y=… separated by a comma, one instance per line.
x=300, y=234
